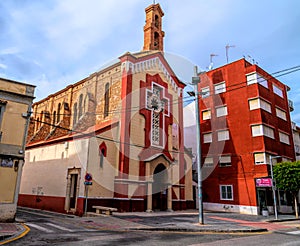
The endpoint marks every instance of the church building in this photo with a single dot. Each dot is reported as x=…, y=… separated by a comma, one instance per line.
x=112, y=139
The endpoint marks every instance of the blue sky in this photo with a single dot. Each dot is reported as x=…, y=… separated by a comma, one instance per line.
x=53, y=43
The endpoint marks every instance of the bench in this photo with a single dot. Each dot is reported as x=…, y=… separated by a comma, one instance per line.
x=107, y=210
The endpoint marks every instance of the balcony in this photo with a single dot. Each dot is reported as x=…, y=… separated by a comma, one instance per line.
x=291, y=105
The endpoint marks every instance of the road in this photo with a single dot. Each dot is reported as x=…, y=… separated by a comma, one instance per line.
x=57, y=229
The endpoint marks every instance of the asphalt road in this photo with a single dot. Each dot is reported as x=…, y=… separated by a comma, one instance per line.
x=56, y=229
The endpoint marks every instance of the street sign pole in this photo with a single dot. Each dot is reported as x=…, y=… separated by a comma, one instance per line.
x=88, y=181
x=86, y=196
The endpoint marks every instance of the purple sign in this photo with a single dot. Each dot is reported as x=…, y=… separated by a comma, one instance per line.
x=264, y=182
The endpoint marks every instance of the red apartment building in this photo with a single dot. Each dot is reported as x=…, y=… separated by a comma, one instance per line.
x=245, y=119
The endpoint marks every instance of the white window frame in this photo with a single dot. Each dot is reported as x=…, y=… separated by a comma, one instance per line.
x=256, y=78
x=284, y=138
x=226, y=193
x=207, y=137
x=208, y=162
x=208, y=116
x=220, y=87
x=258, y=103
x=262, y=130
x=225, y=161
x=205, y=92
x=221, y=111
x=278, y=91
x=225, y=137
x=280, y=113
x=261, y=158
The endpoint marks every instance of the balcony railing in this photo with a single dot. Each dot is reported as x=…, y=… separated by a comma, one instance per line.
x=291, y=105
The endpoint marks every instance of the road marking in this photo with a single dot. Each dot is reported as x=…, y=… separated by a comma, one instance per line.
x=40, y=228
x=294, y=232
x=60, y=227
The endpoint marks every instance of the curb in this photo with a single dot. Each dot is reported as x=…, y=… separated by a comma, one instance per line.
x=24, y=229
x=256, y=230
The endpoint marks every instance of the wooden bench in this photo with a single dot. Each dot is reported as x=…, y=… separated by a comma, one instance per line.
x=107, y=210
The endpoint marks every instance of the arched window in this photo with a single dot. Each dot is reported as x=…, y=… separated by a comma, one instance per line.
x=106, y=100
x=80, y=106
x=156, y=22
x=37, y=123
x=54, y=118
x=58, y=113
x=74, y=114
x=156, y=40
x=102, y=153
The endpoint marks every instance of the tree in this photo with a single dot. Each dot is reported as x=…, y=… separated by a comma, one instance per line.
x=287, y=177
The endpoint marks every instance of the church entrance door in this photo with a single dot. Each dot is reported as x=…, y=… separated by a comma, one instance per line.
x=160, y=189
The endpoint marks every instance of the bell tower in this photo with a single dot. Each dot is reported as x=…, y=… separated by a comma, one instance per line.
x=153, y=34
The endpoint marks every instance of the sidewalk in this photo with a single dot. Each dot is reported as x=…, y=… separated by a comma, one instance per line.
x=12, y=231
x=184, y=221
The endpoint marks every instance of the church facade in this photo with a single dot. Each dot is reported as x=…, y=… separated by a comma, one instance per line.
x=113, y=139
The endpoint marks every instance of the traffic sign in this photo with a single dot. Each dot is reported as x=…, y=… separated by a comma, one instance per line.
x=88, y=177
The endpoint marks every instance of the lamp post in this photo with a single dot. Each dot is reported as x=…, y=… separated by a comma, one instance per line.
x=195, y=82
x=273, y=187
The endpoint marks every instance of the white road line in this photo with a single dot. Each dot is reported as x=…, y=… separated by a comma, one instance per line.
x=60, y=227
x=294, y=232
x=40, y=228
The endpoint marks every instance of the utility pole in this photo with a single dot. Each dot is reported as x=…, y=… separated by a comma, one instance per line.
x=195, y=82
x=227, y=48
x=273, y=187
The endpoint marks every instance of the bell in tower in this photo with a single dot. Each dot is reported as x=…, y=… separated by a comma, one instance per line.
x=153, y=34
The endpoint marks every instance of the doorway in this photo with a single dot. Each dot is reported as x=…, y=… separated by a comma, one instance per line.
x=72, y=189
x=160, y=189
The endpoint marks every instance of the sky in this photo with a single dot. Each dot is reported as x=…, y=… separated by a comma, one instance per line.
x=54, y=43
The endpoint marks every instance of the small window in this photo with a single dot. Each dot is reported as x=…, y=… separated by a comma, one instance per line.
x=268, y=131
x=260, y=158
x=102, y=154
x=206, y=114
x=265, y=106
x=208, y=162
x=205, y=92
x=280, y=114
x=207, y=137
x=221, y=111
x=262, y=81
x=259, y=103
x=223, y=135
x=102, y=151
x=220, y=88
x=257, y=130
x=106, y=100
x=226, y=192
x=254, y=78
x=251, y=78
x=225, y=161
x=284, y=138
x=262, y=130
x=277, y=91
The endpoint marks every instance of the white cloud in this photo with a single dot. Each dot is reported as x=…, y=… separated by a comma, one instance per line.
x=3, y=66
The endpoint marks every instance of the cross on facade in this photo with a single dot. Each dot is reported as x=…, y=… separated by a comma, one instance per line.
x=159, y=105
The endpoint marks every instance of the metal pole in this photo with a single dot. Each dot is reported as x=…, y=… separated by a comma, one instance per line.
x=86, y=196
x=273, y=187
x=196, y=81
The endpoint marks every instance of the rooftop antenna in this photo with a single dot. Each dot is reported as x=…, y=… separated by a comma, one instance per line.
x=227, y=48
x=211, y=61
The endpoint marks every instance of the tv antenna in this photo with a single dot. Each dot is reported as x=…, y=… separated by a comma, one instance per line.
x=211, y=61
x=227, y=48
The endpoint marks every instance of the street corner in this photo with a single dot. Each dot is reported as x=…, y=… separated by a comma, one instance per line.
x=12, y=231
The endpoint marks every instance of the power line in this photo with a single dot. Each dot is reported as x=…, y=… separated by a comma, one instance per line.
x=84, y=134
x=175, y=102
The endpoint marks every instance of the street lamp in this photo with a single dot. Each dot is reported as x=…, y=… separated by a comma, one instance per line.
x=273, y=187
x=195, y=82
